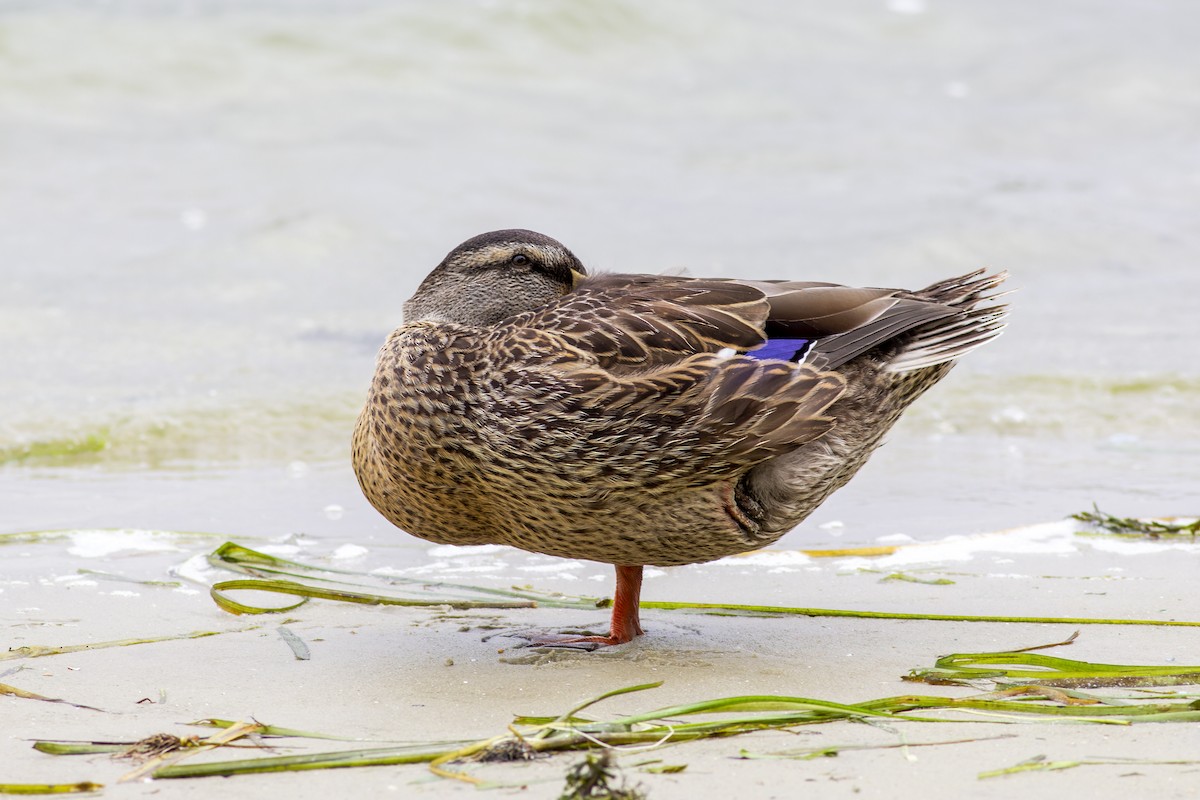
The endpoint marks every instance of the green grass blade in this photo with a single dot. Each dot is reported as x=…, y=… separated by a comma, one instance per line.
x=1031, y=766
x=754, y=703
x=269, y=730
x=389, y=756
x=811, y=753
x=13, y=691
x=79, y=748
x=112, y=576
x=38, y=651
x=1119, y=714
x=641, y=687
x=50, y=788
x=306, y=592
x=735, y=609
x=1043, y=670
x=242, y=559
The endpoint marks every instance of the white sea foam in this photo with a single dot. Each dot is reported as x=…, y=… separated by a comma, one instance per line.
x=103, y=542
x=767, y=558
x=553, y=566
x=348, y=551
x=196, y=569
x=1052, y=538
x=455, y=551
x=1046, y=539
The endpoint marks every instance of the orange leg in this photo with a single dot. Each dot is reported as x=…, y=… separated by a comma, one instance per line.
x=627, y=601
x=625, y=622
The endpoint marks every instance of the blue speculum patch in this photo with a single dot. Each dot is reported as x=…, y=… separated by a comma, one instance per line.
x=786, y=349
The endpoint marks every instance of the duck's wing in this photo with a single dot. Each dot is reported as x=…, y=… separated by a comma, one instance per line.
x=646, y=367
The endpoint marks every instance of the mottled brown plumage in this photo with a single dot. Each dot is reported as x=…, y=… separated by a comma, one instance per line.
x=625, y=418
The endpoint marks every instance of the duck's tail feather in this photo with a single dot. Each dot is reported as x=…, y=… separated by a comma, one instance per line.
x=954, y=336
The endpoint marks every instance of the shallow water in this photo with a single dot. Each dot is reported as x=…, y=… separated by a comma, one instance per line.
x=213, y=214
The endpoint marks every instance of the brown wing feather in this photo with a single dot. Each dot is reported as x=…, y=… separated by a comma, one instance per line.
x=807, y=310
x=640, y=321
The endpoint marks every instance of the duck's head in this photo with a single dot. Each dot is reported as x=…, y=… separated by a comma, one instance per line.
x=494, y=276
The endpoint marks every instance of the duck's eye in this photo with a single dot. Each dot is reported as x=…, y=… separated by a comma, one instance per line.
x=520, y=259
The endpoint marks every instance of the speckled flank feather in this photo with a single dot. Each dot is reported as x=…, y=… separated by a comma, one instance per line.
x=624, y=418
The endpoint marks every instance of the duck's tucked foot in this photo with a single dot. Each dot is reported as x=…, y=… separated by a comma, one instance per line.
x=745, y=509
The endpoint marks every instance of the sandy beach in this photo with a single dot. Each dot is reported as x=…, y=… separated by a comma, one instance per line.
x=380, y=676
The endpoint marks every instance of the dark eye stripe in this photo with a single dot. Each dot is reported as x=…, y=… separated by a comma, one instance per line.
x=556, y=271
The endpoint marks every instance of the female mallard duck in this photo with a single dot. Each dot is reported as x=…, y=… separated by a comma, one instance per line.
x=640, y=419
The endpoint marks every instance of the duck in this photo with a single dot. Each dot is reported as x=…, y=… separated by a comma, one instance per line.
x=635, y=419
